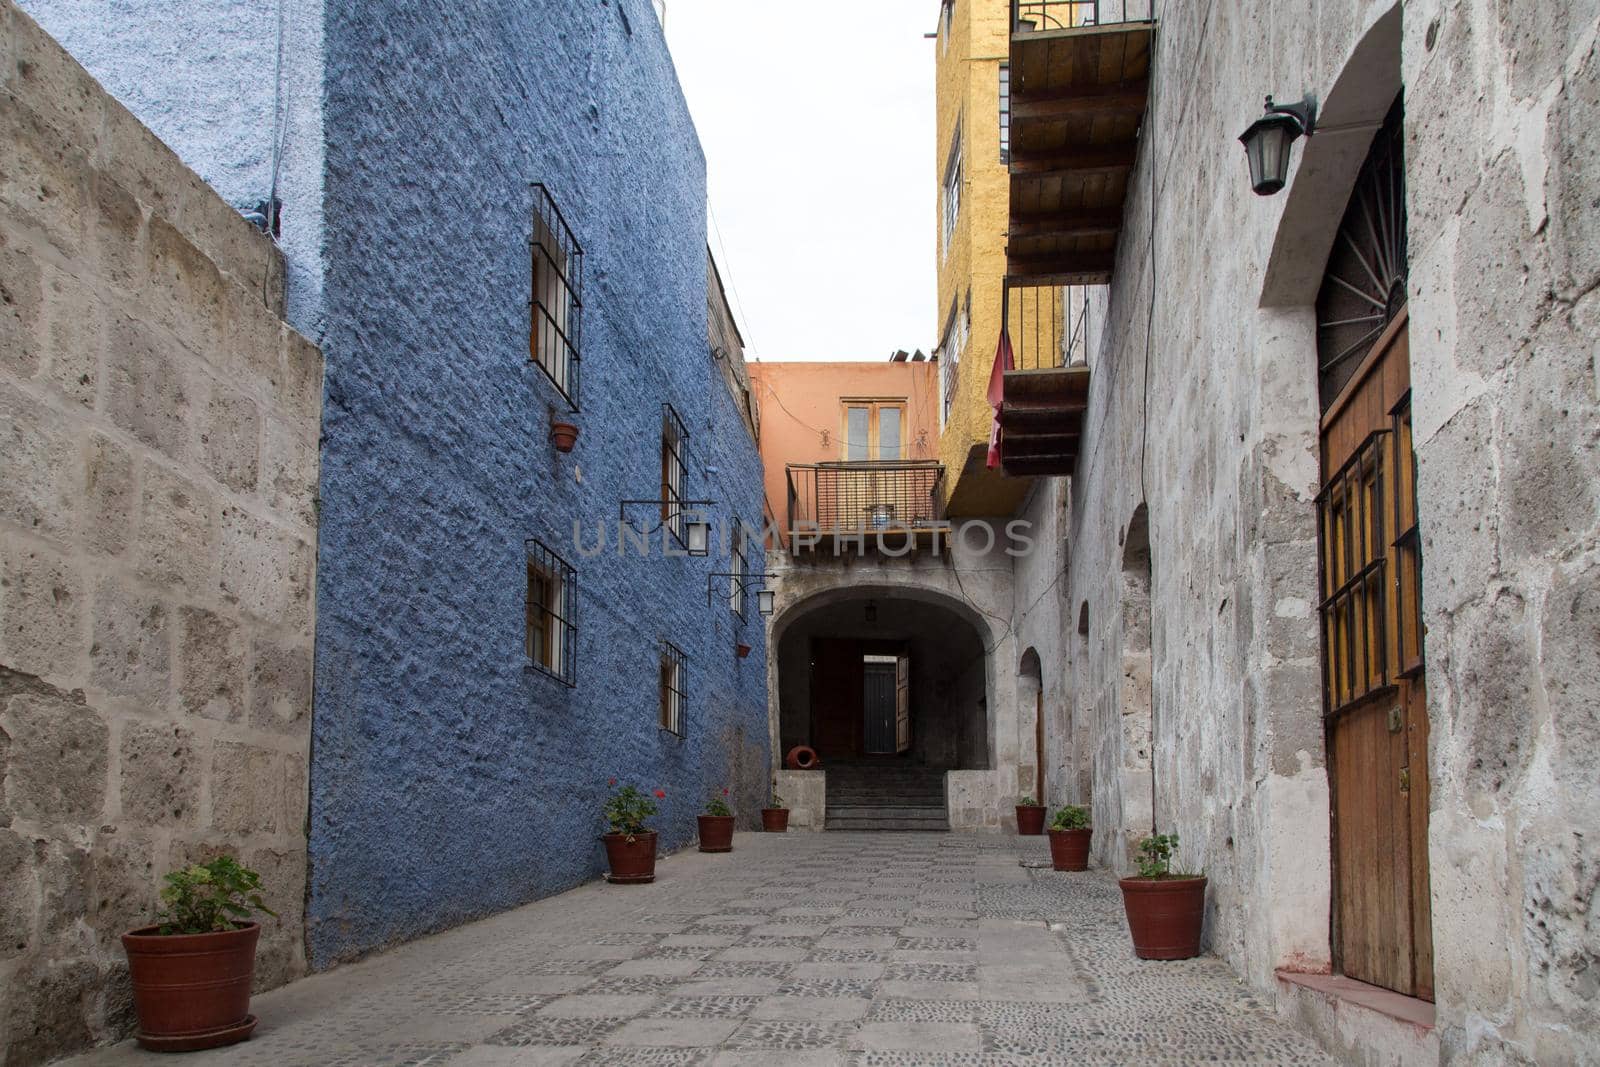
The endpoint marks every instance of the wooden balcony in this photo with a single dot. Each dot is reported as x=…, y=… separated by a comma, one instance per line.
x=1078, y=95
x=1047, y=386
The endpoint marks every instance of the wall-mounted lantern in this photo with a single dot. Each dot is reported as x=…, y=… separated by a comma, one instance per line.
x=696, y=529
x=743, y=583
x=1266, y=142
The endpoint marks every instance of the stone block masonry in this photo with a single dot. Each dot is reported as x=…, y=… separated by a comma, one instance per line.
x=158, y=474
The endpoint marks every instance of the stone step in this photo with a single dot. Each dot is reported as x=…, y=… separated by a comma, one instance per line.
x=886, y=824
x=929, y=813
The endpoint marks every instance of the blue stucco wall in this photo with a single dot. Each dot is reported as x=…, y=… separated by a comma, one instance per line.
x=448, y=781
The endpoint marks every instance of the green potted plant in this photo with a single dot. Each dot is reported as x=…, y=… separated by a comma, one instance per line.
x=1030, y=816
x=775, y=817
x=1069, y=838
x=630, y=847
x=192, y=969
x=1165, y=907
x=716, y=825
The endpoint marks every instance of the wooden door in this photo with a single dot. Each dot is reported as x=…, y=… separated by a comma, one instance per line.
x=1375, y=703
x=902, y=704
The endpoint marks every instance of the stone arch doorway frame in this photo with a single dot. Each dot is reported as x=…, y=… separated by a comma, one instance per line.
x=1030, y=713
x=824, y=588
x=1353, y=109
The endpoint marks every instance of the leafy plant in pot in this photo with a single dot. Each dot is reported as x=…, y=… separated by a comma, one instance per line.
x=630, y=847
x=716, y=825
x=1165, y=906
x=1030, y=817
x=775, y=817
x=191, y=970
x=1069, y=838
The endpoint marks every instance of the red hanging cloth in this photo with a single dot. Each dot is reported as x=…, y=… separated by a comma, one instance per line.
x=997, y=393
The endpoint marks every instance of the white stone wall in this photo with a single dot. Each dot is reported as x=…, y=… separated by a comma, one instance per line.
x=158, y=481
x=1213, y=426
x=806, y=794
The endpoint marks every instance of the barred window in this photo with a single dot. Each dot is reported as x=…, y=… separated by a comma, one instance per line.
x=552, y=614
x=557, y=299
x=1005, y=112
x=951, y=198
x=737, y=566
x=674, y=687
x=674, y=445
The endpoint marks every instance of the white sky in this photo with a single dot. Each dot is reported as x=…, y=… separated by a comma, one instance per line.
x=817, y=123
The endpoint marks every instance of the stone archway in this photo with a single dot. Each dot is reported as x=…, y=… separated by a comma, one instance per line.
x=1030, y=713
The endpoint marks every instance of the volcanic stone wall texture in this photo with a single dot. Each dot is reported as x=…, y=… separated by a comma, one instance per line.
x=450, y=780
x=1203, y=410
x=158, y=470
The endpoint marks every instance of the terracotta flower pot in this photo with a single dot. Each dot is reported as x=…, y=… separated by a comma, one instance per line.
x=1030, y=819
x=564, y=435
x=192, y=991
x=741, y=650
x=1069, y=849
x=775, y=820
x=716, y=833
x=1164, y=916
x=632, y=857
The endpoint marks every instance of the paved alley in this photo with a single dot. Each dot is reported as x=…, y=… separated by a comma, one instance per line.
x=794, y=949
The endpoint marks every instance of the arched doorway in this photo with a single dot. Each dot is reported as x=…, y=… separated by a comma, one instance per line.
x=870, y=674
x=1030, y=705
x=1374, y=692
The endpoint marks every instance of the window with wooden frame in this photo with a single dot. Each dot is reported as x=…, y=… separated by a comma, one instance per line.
x=873, y=429
x=674, y=688
x=674, y=449
x=552, y=614
x=556, y=301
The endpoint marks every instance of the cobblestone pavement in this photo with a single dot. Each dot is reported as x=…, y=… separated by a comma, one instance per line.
x=794, y=949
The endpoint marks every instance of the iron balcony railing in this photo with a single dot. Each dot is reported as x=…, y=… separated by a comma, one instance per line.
x=1048, y=324
x=865, y=497
x=1028, y=16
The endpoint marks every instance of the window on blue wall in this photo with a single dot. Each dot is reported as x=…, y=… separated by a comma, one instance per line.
x=674, y=688
x=557, y=300
x=737, y=566
x=674, y=446
x=552, y=614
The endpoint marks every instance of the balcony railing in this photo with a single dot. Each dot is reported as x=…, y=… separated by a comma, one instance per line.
x=870, y=497
x=1028, y=16
x=1048, y=324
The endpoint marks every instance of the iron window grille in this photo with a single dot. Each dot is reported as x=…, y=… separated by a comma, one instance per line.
x=1031, y=15
x=1351, y=519
x=674, y=447
x=1005, y=113
x=556, y=330
x=949, y=363
x=951, y=207
x=552, y=614
x=737, y=565
x=674, y=688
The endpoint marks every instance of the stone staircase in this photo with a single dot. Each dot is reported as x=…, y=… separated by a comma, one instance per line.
x=890, y=795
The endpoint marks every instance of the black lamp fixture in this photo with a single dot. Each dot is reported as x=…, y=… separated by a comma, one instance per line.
x=1266, y=142
x=765, y=598
x=696, y=537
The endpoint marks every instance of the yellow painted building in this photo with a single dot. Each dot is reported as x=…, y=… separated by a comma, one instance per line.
x=970, y=61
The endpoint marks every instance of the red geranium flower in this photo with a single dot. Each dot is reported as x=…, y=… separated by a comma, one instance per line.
x=613, y=782
x=661, y=794
x=724, y=790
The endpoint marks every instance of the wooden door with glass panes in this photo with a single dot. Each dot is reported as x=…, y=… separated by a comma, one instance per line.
x=1374, y=690
x=873, y=432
